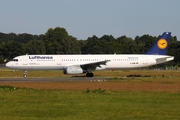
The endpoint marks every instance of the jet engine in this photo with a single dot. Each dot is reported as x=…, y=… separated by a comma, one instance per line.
x=73, y=70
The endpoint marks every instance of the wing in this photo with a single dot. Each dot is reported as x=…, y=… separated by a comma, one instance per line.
x=93, y=65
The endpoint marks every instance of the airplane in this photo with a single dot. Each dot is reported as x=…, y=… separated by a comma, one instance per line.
x=86, y=64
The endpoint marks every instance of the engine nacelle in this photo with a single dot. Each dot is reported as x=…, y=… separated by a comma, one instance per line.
x=73, y=70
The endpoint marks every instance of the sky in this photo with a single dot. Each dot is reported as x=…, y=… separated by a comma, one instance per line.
x=85, y=18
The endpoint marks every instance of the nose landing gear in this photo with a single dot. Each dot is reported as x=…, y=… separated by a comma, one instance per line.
x=25, y=74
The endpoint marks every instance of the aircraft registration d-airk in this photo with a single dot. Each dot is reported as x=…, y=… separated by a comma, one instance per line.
x=86, y=64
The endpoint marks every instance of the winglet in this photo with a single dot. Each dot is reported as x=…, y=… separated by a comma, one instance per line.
x=161, y=45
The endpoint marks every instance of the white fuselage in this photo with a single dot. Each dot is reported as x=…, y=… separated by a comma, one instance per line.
x=60, y=62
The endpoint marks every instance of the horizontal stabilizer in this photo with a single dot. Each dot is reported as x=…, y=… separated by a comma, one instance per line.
x=163, y=60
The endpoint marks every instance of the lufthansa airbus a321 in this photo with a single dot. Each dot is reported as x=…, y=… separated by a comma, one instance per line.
x=86, y=64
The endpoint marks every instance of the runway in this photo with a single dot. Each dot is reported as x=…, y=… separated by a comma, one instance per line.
x=72, y=79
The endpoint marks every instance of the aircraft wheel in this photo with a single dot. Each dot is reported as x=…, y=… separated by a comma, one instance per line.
x=25, y=75
x=89, y=75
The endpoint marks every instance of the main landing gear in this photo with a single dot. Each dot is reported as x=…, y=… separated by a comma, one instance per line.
x=25, y=74
x=89, y=74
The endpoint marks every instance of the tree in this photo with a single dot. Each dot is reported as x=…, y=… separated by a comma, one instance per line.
x=24, y=38
x=128, y=45
x=59, y=37
x=7, y=37
x=144, y=43
x=35, y=47
x=54, y=48
x=2, y=51
x=93, y=46
x=13, y=49
x=110, y=45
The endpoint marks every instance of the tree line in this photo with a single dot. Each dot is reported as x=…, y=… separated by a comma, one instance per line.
x=58, y=41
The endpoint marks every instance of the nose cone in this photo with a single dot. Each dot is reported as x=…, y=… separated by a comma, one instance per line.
x=8, y=65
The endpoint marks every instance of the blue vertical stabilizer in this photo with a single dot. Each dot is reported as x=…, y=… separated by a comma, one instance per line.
x=161, y=45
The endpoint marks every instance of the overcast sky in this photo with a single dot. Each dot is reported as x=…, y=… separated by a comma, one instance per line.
x=85, y=18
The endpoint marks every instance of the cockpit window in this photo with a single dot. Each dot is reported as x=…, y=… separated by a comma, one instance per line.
x=16, y=60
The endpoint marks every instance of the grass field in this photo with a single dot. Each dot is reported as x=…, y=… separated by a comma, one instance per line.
x=143, y=98
x=94, y=104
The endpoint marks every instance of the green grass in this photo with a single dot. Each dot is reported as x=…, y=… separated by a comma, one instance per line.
x=31, y=104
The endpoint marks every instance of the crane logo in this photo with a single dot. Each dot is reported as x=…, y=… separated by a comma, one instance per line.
x=162, y=43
